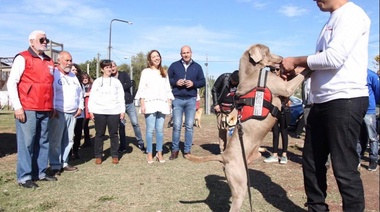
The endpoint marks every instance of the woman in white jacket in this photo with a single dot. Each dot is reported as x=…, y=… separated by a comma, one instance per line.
x=106, y=106
x=155, y=96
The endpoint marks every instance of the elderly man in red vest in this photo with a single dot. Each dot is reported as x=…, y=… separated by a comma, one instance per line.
x=31, y=94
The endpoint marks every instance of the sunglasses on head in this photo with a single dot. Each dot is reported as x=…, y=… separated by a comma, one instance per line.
x=274, y=69
x=42, y=40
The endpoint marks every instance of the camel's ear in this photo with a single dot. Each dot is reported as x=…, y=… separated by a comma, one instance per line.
x=255, y=54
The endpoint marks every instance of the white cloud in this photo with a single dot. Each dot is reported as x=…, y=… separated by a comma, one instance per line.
x=259, y=4
x=292, y=11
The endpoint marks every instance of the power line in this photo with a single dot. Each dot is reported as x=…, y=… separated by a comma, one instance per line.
x=171, y=59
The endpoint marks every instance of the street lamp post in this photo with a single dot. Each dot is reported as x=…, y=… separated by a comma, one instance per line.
x=109, y=41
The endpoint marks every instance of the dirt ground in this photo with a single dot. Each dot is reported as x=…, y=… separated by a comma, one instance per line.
x=280, y=180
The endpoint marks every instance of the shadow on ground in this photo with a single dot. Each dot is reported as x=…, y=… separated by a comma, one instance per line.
x=8, y=144
x=87, y=154
x=219, y=196
x=273, y=193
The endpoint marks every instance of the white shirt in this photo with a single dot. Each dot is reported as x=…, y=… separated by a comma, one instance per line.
x=107, y=96
x=68, y=93
x=155, y=90
x=342, y=53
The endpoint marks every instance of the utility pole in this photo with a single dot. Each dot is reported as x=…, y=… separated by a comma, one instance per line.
x=207, y=97
x=97, y=66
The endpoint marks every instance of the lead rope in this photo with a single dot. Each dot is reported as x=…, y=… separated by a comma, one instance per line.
x=240, y=132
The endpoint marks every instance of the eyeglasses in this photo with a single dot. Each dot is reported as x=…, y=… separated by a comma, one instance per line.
x=274, y=69
x=42, y=40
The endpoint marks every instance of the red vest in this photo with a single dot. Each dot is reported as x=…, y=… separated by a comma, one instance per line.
x=35, y=88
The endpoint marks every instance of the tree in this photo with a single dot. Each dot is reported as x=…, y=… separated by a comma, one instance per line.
x=377, y=61
x=138, y=64
x=92, y=67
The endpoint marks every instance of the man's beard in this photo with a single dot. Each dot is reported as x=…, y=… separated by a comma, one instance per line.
x=67, y=69
x=41, y=47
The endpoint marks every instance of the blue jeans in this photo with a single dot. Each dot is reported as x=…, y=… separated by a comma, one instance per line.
x=61, y=135
x=154, y=124
x=32, y=146
x=368, y=132
x=187, y=107
x=131, y=111
x=333, y=128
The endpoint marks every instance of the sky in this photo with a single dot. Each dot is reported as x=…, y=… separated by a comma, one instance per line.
x=218, y=31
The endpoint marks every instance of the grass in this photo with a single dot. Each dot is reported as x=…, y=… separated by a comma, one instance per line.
x=179, y=185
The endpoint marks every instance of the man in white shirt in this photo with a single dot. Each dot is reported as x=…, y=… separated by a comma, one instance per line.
x=340, y=101
x=68, y=104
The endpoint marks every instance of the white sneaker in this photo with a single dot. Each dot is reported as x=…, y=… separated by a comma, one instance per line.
x=271, y=159
x=284, y=160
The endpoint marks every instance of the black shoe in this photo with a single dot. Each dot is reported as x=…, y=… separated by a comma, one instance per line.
x=54, y=172
x=29, y=184
x=122, y=151
x=141, y=146
x=48, y=178
x=372, y=166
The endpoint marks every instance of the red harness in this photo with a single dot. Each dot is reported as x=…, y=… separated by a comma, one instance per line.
x=257, y=103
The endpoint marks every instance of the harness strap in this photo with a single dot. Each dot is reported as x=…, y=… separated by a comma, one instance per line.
x=240, y=132
x=259, y=96
x=250, y=102
x=262, y=78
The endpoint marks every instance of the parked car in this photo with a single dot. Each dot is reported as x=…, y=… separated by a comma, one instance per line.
x=296, y=109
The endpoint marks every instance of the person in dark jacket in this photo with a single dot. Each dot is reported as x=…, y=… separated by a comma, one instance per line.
x=185, y=77
x=223, y=103
x=129, y=109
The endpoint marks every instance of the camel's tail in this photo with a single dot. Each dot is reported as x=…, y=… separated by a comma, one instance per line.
x=201, y=159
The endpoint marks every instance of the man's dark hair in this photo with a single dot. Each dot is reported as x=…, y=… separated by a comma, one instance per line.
x=235, y=76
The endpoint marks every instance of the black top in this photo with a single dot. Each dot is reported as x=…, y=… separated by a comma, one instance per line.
x=127, y=85
x=222, y=87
